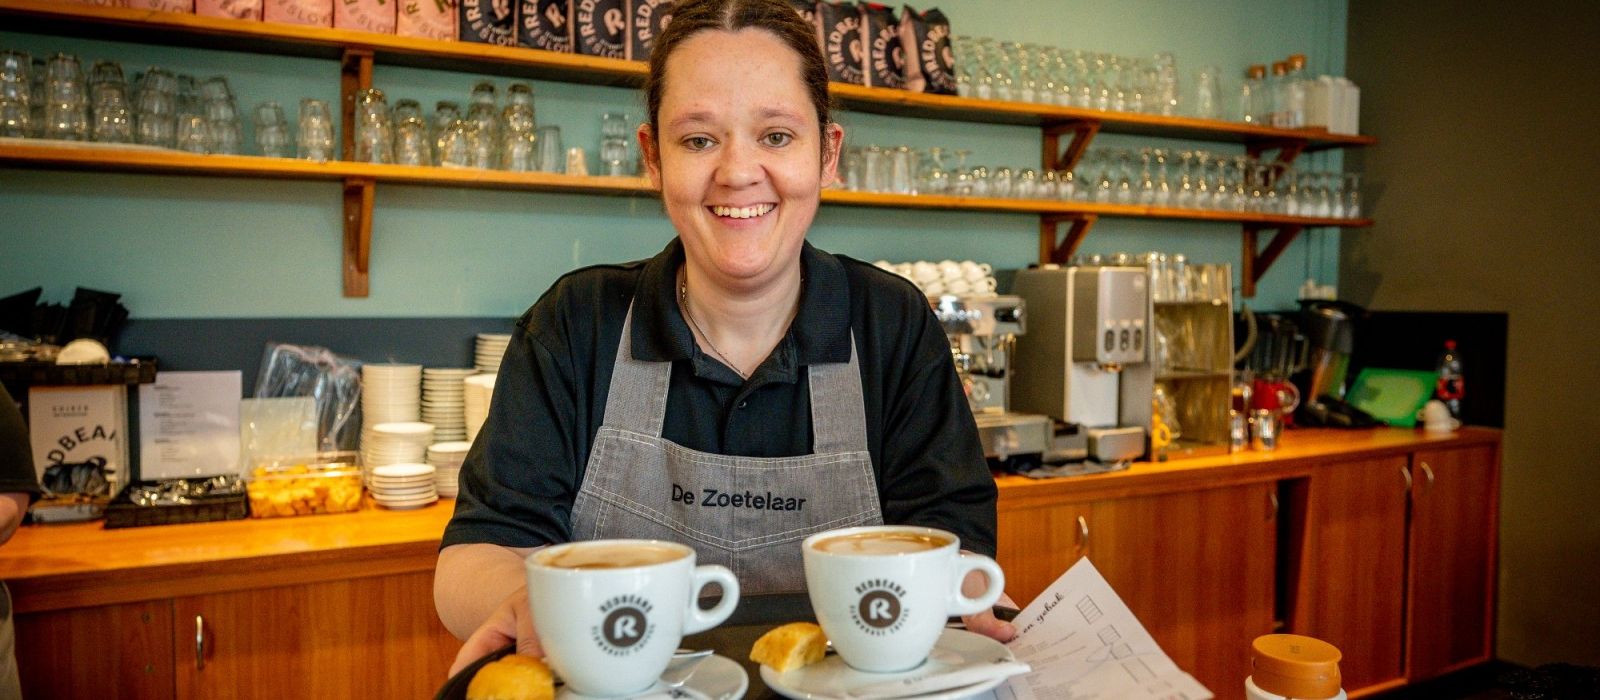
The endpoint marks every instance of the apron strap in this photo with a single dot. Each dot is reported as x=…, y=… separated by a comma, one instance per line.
x=637, y=398
x=839, y=420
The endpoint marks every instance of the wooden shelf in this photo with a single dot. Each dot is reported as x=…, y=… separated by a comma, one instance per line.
x=26, y=154
x=146, y=26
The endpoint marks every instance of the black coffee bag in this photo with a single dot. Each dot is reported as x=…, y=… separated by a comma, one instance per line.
x=599, y=28
x=488, y=22
x=841, y=42
x=930, y=65
x=646, y=20
x=542, y=24
x=807, y=10
x=885, y=59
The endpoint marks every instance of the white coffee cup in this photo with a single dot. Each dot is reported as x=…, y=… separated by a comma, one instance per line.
x=924, y=272
x=975, y=271
x=882, y=593
x=610, y=630
x=1436, y=417
x=959, y=285
x=934, y=288
x=950, y=269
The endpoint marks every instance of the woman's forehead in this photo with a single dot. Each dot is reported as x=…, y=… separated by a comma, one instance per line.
x=746, y=71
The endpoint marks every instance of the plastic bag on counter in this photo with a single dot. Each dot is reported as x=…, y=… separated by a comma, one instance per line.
x=333, y=382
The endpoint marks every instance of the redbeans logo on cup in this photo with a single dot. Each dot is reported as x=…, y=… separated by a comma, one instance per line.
x=879, y=611
x=625, y=626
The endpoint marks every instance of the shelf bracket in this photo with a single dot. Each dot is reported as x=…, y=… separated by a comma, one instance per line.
x=1081, y=131
x=358, y=193
x=1052, y=252
x=1255, y=260
x=355, y=75
x=1288, y=150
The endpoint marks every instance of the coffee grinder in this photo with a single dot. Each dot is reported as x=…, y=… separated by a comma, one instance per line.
x=983, y=334
x=1330, y=330
x=1086, y=358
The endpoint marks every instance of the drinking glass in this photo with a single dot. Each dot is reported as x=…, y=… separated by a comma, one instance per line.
x=374, y=140
x=445, y=113
x=316, y=131
x=853, y=170
x=1163, y=188
x=272, y=131
x=981, y=184
x=1002, y=183
x=411, y=143
x=552, y=159
x=1207, y=93
x=192, y=134
x=902, y=171
x=106, y=72
x=483, y=126
x=874, y=175
x=614, y=156
x=16, y=94
x=1352, y=195
x=1026, y=184
x=113, y=120
x=452, y=147
x=933, y=178
x=1049, y=185
x=1067, y=185
x=1124, y=180
x=518, y=131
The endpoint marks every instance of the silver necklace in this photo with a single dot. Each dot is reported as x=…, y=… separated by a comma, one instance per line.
x=683, y=296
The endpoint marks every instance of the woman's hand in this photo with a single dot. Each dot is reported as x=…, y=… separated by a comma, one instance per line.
x=985, y=623
x=510, y=622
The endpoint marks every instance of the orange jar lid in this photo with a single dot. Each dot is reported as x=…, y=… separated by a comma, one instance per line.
x=1294, y=666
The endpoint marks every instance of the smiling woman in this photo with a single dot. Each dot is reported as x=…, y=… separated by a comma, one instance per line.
x=738, y=392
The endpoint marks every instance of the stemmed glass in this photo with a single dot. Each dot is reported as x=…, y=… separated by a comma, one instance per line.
x=1147, y=183
x=933, y=178
x=1185, y=195
x=1163, y=193
x=1352, y=195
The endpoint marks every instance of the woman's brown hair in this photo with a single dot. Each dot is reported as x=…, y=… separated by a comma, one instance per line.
x=690, y=17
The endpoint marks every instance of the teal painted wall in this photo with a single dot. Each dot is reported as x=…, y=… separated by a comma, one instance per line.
x=184, y=247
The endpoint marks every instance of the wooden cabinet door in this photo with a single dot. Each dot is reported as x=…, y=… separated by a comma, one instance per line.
x=113, y=651
x=1453, y=536
x=1037, y=544
x=1353, y=584
x=1198, y=568
x=373, y=637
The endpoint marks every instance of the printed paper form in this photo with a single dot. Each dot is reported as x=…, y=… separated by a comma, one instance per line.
x=1085, y=644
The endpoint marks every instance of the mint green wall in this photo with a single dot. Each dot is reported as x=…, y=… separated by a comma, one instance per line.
x=183, y=247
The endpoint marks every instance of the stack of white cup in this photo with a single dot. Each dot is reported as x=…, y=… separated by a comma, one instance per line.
x=935, y=279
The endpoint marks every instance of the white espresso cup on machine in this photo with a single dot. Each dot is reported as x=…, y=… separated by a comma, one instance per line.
x=882, y=593
x=610, y=613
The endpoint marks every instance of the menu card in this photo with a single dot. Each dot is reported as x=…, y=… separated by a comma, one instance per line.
x=189, y=425
x=1085, y=644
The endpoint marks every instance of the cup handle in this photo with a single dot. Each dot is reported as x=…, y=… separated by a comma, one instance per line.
x=698, y=620
x=966, y=564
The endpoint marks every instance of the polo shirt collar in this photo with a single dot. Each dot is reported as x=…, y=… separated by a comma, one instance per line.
x=819, y=334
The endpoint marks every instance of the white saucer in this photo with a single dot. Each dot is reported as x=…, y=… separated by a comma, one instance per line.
x=830, y=678
x=716, y=678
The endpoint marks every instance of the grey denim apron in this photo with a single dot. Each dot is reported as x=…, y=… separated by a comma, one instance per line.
x=746, y=513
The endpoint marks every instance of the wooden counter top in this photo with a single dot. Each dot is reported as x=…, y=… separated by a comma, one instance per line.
x=61, y=566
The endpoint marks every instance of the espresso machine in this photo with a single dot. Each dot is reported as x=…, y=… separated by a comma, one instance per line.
x=983, y=334
x=1086, y=358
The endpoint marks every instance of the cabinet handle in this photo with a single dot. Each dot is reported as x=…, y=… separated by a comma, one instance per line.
x=1273, y=498
x=1428, y=472
x=1083, y=533
x=199, y=642
x=1404, y=472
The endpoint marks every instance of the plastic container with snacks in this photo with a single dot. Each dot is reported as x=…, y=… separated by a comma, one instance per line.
x=329, y=482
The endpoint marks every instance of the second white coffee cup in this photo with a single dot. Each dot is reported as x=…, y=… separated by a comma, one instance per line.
x=882, y=593
x=610, y=613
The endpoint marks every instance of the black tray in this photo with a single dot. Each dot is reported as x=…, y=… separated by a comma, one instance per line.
x=124, y=513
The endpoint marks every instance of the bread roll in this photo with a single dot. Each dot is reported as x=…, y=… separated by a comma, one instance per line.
x=513, y=677
x=790, y=646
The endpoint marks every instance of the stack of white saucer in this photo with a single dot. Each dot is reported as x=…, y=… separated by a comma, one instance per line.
x=442, y=402
x=491, y=347
x=395, y=443
x=446, y=458
x=405, y=485
x=479, y=389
